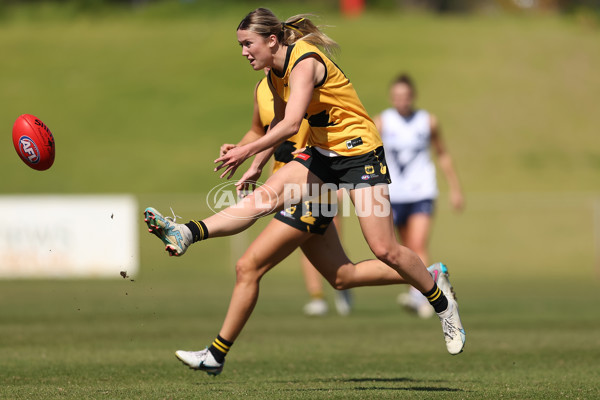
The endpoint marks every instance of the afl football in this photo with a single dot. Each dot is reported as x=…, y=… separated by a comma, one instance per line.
x=33, y=142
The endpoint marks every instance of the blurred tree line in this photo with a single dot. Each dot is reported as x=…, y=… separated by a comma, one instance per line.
x=436, y=6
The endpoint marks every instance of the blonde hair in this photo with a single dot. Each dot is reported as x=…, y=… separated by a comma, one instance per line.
x=263, y=22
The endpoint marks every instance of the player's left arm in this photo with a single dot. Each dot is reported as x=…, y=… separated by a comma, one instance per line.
x=378, y=123
x=446, y=165
x=256, y=129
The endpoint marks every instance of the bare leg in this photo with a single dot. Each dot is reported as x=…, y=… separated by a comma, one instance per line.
x=327, y=255
x=274, y=243
x=372, y=204
x=265, y=200
x=416, y=235
x=312, y=278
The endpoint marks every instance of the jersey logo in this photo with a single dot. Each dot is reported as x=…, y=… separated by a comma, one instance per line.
x=354, y=143
x=320, y=120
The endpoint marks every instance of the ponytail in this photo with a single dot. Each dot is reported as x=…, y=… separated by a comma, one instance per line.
x=299, y=27
x=263, y=22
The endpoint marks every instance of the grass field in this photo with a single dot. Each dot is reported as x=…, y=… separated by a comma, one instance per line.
x=517, y=97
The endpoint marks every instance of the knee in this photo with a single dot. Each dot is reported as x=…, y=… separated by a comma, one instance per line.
x=343, y=278
x=384, y=252
x=246, y=270
x=341, y=283
x=392, y=253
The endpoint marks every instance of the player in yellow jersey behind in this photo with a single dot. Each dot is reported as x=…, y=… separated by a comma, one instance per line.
x=344, y=150
x=261, y=119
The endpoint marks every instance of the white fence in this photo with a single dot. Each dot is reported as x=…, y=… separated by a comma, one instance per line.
x=68, y=236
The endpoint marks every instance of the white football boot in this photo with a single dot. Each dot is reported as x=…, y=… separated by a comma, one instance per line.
x=176, y=237
x=439, y=273
x=343, y=302
x=415, y=303
x=454, y=334
x=202, y=360
x=316, y=308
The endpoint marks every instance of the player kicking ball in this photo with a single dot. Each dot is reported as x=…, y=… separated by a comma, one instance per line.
x=345, y=151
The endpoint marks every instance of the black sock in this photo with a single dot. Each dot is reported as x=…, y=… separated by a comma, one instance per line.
x=437, y=299
x=199, y=231
x=219, y=348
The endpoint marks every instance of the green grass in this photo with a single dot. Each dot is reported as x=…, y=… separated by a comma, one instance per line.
x=116, y=340
x=517, y=100
x=529, y=307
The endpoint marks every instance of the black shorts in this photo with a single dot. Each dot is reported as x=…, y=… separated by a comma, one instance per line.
x=365, y=169
x=308, y=216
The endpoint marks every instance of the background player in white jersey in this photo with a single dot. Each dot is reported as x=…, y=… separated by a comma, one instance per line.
x=408, y=134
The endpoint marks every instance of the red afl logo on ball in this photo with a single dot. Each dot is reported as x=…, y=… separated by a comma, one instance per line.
x=29, y=150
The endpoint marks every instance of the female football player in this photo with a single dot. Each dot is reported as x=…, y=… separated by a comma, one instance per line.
x=344, y=150
x=261, y=119
x=407, y=135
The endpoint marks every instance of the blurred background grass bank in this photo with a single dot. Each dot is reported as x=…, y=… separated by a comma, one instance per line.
x=141, y=94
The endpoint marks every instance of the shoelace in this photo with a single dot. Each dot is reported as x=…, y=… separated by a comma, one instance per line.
x=449, y=328
x=200, y=353
x=174, y=218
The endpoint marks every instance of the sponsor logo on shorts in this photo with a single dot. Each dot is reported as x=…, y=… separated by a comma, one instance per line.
x=29, y=150
x=303, y=156
x=365, y=177
x=369, y=169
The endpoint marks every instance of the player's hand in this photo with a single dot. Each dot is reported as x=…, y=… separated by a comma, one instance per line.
x=298, y=151
x=225, y=148
x=457, y=200
x=231, y=161
x=247, y=183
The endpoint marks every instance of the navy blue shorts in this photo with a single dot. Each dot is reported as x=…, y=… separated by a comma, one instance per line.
x=402, y=211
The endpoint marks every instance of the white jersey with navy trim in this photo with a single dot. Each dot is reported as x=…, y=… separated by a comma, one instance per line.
x=406, y=142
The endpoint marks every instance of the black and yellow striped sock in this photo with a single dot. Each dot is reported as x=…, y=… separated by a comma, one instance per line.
x=219, y=348
x=437, y=299
x=199, y=231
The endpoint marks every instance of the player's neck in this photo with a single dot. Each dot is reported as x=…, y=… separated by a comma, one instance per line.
x=279, y=59
x=406, y=113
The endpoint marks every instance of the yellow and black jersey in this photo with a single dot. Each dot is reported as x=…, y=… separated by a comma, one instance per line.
x=283, y=153
x=338, y=120
x=264, y=98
